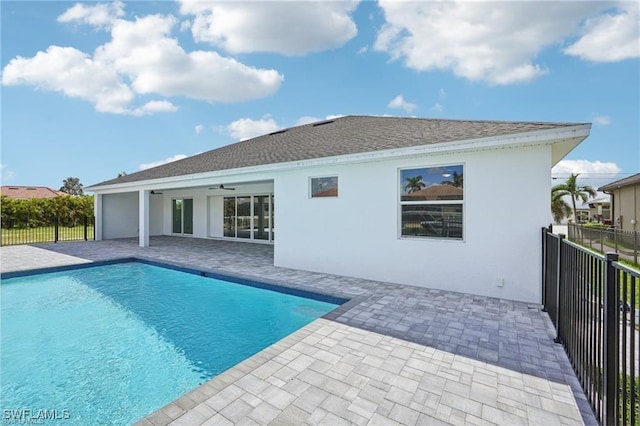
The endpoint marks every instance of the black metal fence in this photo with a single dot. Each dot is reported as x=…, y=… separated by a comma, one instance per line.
x=625, y=243
x=55, y=231
x=593, y=303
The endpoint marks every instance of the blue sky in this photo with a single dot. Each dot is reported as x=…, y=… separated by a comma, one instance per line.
x=93, y=89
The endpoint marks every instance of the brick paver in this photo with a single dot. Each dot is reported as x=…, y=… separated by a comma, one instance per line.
x=394, y=354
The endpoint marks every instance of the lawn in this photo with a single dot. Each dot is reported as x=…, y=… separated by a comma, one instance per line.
x=44, y=234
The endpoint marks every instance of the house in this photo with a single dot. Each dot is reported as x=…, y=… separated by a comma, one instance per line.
x=29, y=192
x=625, y=202
x=335, y=197
x=600, y=209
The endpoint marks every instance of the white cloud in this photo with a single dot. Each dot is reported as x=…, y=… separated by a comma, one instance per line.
x=154, y=106
x=496, y=43
x=437, y=107
x=603, y=120
x=171, y=159
x=442, y=94
x=6, y=174
x=198, y=129
x=306, y=120
x=333, y=116
x=287, y=27
x=586, y=168
x=246, y=128
x=99, y=15
x=611, y=36
x=141, y=58
x=400, y=102
x=74, y=73
x=364, y=49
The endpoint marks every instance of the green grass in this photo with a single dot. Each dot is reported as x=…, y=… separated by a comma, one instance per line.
x=44, y=234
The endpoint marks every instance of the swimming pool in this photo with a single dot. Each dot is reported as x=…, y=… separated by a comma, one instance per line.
x=112, y=343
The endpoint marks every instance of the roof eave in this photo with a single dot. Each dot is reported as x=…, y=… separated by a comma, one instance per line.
x=571, y=136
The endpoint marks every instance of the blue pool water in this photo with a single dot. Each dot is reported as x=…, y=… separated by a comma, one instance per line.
x=110, y=344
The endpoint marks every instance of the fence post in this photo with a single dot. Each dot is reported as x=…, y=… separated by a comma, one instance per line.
x=611, y=325
x=601, y=240
x=544, y=267
x=86, y=224
x=56, y=232
x=558, y=284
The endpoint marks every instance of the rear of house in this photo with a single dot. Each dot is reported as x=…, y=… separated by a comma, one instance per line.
x=447, y=204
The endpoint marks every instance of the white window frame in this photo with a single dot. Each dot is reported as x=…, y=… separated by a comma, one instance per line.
x=431, y=202
x=310, y=183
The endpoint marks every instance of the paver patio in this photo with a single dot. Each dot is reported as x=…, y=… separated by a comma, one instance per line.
x=392, y=355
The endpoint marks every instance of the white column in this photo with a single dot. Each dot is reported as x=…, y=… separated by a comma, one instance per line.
x=143, y=215
x=97, y=213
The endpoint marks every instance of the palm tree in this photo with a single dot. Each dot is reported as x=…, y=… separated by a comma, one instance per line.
x=72, y=186
x=575, y=191
x=559, y=207
x=414, y=184
x=457, y=180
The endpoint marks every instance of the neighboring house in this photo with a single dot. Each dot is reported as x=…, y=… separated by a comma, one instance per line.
x=625, y=202
x=335, y=197
x=600, y=209
x=594, y=210
x=29, y=192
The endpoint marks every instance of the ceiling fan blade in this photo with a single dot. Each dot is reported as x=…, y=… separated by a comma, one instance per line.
x=223, y=187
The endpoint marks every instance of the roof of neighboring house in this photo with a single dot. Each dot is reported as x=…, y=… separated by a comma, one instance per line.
x=605, y=199
x=631, y=180
x=28, y=192
x=436, y=192
x=331, y=192
x=340, y=136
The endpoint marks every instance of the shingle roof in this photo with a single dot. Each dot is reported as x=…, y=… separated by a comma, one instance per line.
x=28, y=192
x=341, y=136
x=631, y=180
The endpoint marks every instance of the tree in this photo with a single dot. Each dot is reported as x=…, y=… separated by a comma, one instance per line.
x=572, y=189
x=457, y=180
x=72, y=186
x=414, y=184
x=559, y=207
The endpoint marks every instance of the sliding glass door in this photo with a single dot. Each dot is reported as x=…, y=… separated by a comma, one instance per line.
x=182, y=216
x=248, y=217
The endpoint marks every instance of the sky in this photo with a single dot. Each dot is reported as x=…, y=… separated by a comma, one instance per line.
x=90, y=90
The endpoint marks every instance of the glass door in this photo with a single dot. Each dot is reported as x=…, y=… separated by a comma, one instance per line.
x=182, y=216
x=248, y=217
x=261, y=218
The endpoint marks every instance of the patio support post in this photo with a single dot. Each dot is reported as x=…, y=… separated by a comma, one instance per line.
x=143, y=215
x=97, y=212
x=611, y=330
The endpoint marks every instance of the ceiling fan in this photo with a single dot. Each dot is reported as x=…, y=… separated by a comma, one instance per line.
x=155, y=193
x=223, y=187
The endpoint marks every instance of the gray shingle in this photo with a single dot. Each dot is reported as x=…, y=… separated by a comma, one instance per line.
x=341, y=136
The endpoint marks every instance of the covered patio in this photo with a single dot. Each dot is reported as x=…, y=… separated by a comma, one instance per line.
x=394, y=354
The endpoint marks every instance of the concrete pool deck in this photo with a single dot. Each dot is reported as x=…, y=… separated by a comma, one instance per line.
x=392, y=355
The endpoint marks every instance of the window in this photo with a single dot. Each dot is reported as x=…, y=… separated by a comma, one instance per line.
x=182, y=216
x=324, y=187
x=249, y=217
x=431, y=202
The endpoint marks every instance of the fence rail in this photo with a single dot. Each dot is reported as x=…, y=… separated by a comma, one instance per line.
x=625, y=243
x=55, y=231
x=593, y=303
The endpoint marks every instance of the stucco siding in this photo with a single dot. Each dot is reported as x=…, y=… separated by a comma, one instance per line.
x=627, y=206
x=506, y=202
x=120, y=215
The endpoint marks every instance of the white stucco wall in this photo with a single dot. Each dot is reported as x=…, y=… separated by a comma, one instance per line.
x=120, y=215
x=156, y=215
x=357, y=234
